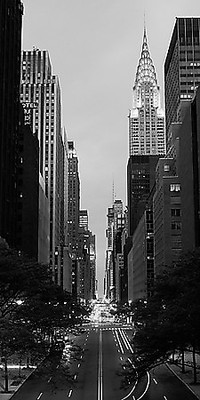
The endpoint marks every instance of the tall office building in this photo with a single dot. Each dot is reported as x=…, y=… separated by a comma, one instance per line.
x=73, y=216
x=109, y=268
x=10, y=50
x=141, y=173
x=93, y=266
x=114, y=256
x=27, y=191
x=146, y=118
x=73, y=198
x=40, y=96
x=181, y=69
x=83, y=219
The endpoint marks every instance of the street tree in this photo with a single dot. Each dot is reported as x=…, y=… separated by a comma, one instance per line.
x=170, y=319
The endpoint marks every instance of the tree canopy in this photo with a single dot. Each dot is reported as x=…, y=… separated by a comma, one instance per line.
x=170, y=319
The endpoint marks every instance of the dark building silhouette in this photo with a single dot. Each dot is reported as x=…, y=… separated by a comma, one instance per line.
x=27, y=191
x=181, y=69
x=140, y=181
x=10, y=50
x=189, y=173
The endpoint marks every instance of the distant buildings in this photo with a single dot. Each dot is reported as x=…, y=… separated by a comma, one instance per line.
x=114, y=251
x=80, y=240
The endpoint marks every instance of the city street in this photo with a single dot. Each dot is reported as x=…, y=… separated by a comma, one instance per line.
x=94, y=372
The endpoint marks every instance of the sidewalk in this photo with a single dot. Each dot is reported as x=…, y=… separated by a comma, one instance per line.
x=187, y=377
x=14, y=380
x=17, y=375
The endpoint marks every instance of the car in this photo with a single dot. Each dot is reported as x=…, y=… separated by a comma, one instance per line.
x=57, y=346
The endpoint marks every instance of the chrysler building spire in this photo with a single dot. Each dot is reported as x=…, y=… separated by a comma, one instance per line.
x=146, y=119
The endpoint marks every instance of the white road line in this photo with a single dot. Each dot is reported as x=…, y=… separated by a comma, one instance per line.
x=126, y=341
x=70, y=393
x=147, y=387
x=50, y=379
x=133, y=388
x=100, y=368
x=123, y=339
x=165, y=397
x=119, y=342
x=155, y=381
x=75, y=377
x=40, y=395
x=79, y=365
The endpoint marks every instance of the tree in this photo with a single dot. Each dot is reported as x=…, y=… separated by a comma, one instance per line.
x=170, y=319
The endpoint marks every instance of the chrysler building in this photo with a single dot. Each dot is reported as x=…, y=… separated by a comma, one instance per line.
x=146, y=118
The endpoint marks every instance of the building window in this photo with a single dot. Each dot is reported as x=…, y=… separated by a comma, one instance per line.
x=166, y=168
x=176, y=226
x=175, y=212
x=175, y=187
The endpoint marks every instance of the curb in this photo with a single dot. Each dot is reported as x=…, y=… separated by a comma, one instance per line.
x=15, y=391
x=196, y=395
x=21, y=384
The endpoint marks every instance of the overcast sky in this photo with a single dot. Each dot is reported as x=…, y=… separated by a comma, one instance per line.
x=94, y=46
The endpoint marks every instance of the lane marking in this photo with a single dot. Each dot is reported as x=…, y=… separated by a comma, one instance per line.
x=100, y=368
x=148, y=383
x=50, y=379
x=133, y=388
x=126, y=340
x=155, y=381
x=70, y=393
x=165, y=397
x=123, y=339
x=79, y=365
x=75, y=377
x=40, y=395
x=119, y=342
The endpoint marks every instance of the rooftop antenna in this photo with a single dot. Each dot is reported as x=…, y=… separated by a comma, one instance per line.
x=113, y=192
x=145, y=24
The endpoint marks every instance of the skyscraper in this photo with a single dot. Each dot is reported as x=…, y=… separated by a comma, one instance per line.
x=40, y=96
x=114, y=256
x=83, y=219
x=181, y=69
x=73, y=198
x=10, y=50
x=146, y=118
x=73, y=215
x=141, y=172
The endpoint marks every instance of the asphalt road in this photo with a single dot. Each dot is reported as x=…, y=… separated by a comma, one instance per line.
x=92, y=372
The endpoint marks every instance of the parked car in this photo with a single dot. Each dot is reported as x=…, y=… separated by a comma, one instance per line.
x=57, y=347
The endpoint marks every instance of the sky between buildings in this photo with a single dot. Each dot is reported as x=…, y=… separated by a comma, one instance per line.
x=94, y=46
